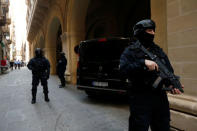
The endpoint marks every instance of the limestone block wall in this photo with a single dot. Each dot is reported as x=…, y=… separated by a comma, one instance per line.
x=182, y=51
x=158, y=14
x=182, y=41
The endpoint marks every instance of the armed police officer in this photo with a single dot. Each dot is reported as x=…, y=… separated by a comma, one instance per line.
x=148, y=106
x=61, y=68
x=40, y=68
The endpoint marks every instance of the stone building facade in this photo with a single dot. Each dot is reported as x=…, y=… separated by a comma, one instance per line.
x=57, y=26
x=4, y=30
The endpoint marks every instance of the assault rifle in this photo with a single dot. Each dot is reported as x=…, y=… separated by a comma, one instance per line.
x=163, y=73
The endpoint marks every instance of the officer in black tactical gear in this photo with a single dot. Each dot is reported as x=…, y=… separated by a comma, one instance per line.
x=148, y=106
x=61, y=68
x=40, y=67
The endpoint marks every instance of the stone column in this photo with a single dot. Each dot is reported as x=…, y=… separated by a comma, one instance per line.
x=50, y=54
x=66, y=50
x=75, y=38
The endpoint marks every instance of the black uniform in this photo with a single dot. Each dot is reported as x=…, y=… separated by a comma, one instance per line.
x=61, y=68
x=40, y=67
x=148, y=106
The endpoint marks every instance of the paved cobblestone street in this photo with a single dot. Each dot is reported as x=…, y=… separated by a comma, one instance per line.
x=68, y=110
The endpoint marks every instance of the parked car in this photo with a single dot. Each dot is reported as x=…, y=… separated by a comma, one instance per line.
x=98, y=65
x=4, y=65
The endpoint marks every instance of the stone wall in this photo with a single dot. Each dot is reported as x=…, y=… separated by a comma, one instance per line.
x=182, y=51
x=182, y=41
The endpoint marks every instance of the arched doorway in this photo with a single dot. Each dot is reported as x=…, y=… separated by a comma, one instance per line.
x=53, y=42
x=58, y=43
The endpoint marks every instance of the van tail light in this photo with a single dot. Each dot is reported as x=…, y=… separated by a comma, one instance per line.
x=102, y=40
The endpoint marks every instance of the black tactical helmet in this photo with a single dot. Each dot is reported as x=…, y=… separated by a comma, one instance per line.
x=38, y=52
x=141, y=26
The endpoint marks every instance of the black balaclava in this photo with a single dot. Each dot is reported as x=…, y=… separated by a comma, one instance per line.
x=139, y=32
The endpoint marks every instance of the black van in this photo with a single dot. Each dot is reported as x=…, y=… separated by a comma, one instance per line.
x=98, y=65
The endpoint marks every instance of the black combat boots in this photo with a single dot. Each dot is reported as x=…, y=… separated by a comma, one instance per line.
x=33, y=101
x=46, y=98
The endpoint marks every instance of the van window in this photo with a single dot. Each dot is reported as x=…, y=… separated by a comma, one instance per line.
x=102, y=51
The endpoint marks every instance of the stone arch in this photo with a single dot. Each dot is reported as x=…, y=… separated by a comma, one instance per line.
x=36, y=45
x=33, y=47
x=51, y=42
x=41, y=42
x=57, y=12
x=79, y=22
x=54, y=22
x=37, y=42
x=81, y=17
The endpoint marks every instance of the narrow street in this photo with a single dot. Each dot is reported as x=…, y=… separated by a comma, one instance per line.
x=68, y=110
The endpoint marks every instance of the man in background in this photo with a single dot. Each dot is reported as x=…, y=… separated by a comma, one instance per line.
x=61, y=68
